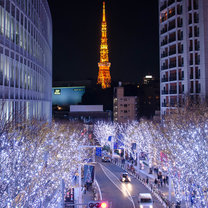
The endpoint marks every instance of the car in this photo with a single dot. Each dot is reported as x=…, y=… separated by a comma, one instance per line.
x=125, y=177
x=145, y=200
x=106, y=159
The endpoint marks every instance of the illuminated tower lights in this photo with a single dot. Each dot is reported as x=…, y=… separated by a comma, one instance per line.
x=104, y=78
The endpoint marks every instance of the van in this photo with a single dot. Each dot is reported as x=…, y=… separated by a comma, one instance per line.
x=145, y=200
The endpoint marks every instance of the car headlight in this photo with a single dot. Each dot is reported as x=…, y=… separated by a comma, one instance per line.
x=141, y=206
x=123, y=179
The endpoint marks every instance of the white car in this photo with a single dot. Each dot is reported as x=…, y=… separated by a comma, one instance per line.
x=145, y=200
x=125, y=177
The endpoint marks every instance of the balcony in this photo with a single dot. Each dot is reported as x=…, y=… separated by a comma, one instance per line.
x=197, y=47
x=180, y=64
x=180, y=50
x=164, y=79
x=197, y=61
x=164, y=19
x=196, y=20
x=172, y=78
x=173, y=104
x=171, y=52
x=164, y=67
x=164, y=42
x=164, y=92
x=164, y=104
x=179, y=10
x=171, y=14
x=174, y=91
x=196, y=33
x=196, y=6
x=190, y=21
x=198, y=90
x=180, y=37
x=197, y=75
x=180, y=24
x=171, y=2
x=171, y=26
x=181, y=77
x=180, y=91
x=164, y=54
x=172, y=39
x=172, y=65
x=164, y=30
x=163, y=6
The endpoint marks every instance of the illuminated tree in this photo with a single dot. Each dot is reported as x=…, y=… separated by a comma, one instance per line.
x=103, y=130
x=183, y=137
x=34, y=157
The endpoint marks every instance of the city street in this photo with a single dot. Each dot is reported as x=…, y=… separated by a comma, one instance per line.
x=122, y=195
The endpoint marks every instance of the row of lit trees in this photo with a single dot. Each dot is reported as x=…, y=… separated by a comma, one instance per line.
x=178, y=144
x=34, y=157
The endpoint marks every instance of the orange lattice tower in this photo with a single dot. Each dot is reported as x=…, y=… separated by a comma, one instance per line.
x=104, y=78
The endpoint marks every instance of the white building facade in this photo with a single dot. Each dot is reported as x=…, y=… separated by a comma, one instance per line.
x=25, y=59
x=183, y=32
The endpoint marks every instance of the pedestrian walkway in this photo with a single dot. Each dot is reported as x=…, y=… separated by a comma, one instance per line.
x=87, y=196
x=90, y=194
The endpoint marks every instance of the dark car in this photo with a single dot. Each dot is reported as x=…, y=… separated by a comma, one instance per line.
x=125, y=177
x=106, y=159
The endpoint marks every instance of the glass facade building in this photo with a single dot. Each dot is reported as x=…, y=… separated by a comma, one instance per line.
x=25, y=59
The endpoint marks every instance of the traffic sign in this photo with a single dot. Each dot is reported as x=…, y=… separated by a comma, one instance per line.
x=98, y=151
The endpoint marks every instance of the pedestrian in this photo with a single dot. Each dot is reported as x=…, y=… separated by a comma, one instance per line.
x=85, y=189
x=164, y=180
x=161, y=182
x=147, y=180
x=155, y=181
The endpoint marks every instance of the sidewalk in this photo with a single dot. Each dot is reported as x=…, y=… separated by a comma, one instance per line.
x=87, y=196
x=91, y=194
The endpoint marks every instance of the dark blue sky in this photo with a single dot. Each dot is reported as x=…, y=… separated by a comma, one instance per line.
x=132, y=38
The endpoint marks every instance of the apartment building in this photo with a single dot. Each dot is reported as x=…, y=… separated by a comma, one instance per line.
x=124, y=107
x=183, y=28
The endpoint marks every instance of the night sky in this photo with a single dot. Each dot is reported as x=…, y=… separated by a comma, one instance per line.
x=132, y=38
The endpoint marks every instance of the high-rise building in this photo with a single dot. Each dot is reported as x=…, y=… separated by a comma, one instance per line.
x=183, y=32
x=25, y=59
x=104, y=78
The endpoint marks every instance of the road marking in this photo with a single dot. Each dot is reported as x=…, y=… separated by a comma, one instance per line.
x=100, y=193
x=107, y=173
